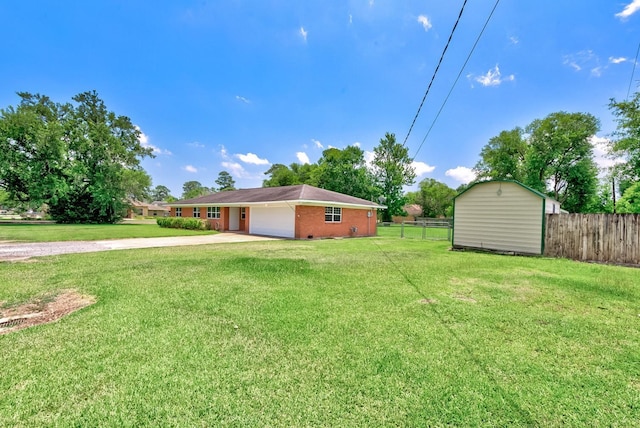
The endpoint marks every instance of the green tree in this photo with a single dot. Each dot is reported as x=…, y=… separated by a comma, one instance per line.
x=627, y=142
x=630, y=200
x=72, y=157
x=193, y=189
x=435, y=198
x=136, y=183
x=225, y=181
x=283, y=175
x=392, y=170
x=559, y=160
x=503, y=156
x=160, y=193
x=345, y=171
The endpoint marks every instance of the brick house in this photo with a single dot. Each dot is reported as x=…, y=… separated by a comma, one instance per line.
x=299, y=212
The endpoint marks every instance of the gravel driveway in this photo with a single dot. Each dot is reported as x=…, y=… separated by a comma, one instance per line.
x=19, y=251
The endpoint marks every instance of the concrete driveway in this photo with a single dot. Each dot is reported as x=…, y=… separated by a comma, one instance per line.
x=11, y=251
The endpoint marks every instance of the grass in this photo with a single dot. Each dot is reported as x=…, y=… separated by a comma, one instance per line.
x=86, y=232
x=357, y=332
x=412, y=231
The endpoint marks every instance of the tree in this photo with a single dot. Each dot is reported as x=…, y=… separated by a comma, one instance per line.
x=225, y=181
x=193, y=189
x=72, y=157
x=559, y=160
x=392, y=169
x=345, y=171
x=435, y=198
x=136, y=183
x=503, y=156
x=160, y=193
x=282, y=175
x=630, y=200
x=553, y=155
x=627, y=142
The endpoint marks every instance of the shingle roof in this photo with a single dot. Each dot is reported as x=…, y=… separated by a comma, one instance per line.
x=299, y=193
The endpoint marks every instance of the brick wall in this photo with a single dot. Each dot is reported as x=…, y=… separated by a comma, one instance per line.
x=310, y=222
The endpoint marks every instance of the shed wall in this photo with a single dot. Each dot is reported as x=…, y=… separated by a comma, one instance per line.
x=500, y=217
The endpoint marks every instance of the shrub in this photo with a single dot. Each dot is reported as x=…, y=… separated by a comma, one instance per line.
x=183, y=223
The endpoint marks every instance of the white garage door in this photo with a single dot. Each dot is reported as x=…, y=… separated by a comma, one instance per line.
x=272, y=221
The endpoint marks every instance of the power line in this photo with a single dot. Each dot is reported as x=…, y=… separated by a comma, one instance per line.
x=458, y=77
x=633, y=71
x=435, y=72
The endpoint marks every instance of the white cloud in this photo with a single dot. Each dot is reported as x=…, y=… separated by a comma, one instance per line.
x=514, y=40
x=196, y=145
x=317, y=143
x=236, y=170
x=303, y=33
x=243, y=99
x=368, y=158
x=191, y=168
x=144, y=142
x=601, y=152
x=629, y=10
x=424, y=21
x=618, y=60
x=493, y=77
x=252, y=159
x=357, y=144
x=371, y=3
x=461, y=174
x=422, y=168
x=223, y=152
x=302, y=157
x=350, y=19
x=584, y=59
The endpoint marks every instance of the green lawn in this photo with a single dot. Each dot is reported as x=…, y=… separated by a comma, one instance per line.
x=352, y=332
x=87, y=232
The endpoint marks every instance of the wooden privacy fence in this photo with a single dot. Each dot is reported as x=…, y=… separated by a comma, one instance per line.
x=608, y=238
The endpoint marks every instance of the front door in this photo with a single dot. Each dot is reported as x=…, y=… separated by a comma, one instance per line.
x=234, y=218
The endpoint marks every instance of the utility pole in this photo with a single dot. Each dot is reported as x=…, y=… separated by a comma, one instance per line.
x=613, y=192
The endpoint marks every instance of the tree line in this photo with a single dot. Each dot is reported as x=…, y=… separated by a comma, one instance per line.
x=82, y=162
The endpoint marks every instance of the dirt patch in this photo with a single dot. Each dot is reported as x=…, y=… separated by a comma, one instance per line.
x=42, y=310
x=427, y=301
x=465, y=299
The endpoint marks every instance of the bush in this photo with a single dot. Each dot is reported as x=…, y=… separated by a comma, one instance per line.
x=183, y=223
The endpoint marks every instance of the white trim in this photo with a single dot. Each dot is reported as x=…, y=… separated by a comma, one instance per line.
x=282, y=204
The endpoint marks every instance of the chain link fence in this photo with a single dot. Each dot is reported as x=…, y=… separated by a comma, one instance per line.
x=433, y=228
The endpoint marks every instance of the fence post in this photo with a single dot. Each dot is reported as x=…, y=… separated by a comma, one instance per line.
x=424, y=230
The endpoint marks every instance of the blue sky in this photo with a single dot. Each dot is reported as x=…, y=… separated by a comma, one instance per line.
x=240, y=85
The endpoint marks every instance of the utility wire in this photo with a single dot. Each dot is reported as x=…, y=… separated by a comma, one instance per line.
x=633, y=71
x=435, y=72
x=458, y=77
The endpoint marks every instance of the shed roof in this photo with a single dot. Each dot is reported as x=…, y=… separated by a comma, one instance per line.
x=301, y=193
x=537, y=193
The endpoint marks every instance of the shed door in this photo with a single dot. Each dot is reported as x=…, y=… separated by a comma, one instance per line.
x=272, y=221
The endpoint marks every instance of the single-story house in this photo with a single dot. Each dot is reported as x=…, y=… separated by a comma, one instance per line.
x=501, y=215
x=299, y=212
x=413, y=212
x=146, y=210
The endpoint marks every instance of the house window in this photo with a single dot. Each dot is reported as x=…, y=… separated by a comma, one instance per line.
x=179, y=212
x=213, y=212
x=196, y=212
x=332, y=214
x=243, y=213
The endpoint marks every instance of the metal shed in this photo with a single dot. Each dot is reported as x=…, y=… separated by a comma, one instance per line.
x=501, y=215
